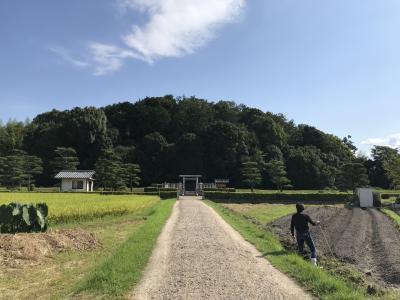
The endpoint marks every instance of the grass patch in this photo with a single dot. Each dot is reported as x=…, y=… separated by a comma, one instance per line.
x=392, y=215
x=263, y=213
x=58, y=276
x=292, y=191
x=320, y=282
x=71, y=207
x=119, y=272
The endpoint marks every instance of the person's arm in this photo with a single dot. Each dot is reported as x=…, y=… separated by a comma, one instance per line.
x=311, y=221
x=292, y=226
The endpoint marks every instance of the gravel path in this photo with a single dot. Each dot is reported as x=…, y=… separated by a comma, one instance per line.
x=199, y=256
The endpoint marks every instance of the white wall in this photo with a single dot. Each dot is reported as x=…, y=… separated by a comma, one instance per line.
x=66, y=185
x=366, y=197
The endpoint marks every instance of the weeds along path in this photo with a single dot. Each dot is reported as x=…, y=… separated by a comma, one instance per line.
x=199, y=256
x=366, y=238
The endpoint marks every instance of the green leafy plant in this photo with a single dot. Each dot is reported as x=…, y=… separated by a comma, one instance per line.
x=16, y=217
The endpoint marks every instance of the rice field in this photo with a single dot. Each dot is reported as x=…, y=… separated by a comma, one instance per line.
x=68, y=207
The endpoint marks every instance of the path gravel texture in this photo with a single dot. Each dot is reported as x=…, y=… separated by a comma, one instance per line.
x=199, y=256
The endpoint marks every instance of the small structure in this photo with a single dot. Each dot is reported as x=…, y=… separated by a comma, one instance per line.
x=190, y=185
x=366, y=197
x=221, y=183
x=76, y=180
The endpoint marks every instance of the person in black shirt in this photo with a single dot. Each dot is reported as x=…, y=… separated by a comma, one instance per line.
x=300, y=223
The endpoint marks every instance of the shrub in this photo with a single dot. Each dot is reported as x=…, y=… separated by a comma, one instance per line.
x=162, y=194
x=388, y=195
x=328, y=198
x=17, y=217
x=156, y=189
x=377, y=200
x=228, y=190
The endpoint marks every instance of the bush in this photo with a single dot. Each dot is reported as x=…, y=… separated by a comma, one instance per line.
x=228, y=190
x=377, y=200
x=388, y=195
x=156, y=189
x=162, y=194
x=167, y=195
x=17, y=217
x=327, y=198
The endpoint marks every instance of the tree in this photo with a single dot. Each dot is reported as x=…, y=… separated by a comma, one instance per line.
x=352, y=175
x=377, y=168
x=251, y=174
x=12, y=170
x=392, y=168
x=64, y=159
x=168, y=135
x=109, y=171
x=131, y=175
x=19, y=168
x=11, y=137
x=306, y=169
x=33, y=167
x=277, y=172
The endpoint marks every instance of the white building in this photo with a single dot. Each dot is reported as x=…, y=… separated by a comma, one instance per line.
x=76, y=181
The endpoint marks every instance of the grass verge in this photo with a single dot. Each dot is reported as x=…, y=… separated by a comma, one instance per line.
x=123, y=268
x=318, y=281
x=392, y=215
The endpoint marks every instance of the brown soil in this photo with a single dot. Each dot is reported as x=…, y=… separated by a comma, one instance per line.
x=22, y=249
x=365, y=238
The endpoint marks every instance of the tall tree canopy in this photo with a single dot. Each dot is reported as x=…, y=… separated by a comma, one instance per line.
x=167, y=136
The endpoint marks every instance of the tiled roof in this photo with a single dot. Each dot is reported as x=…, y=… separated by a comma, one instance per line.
x=76, y=174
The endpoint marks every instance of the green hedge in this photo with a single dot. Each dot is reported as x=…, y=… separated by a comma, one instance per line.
x=155, y=189
x=329, y=198
x=228, y=190
x=163, y=194
x=387, y=196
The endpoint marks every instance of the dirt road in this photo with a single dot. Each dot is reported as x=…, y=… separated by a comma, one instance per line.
x=366, y=238
x=199, y=256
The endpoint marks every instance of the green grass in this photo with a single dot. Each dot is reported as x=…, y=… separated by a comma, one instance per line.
x=119, y=272
x=70, y=207
x=320, y=282
x=264, y=213
x=292, y=191
x=59, y=276
x=392, y=215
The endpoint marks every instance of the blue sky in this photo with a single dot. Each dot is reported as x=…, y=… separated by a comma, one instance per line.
x=334, y=64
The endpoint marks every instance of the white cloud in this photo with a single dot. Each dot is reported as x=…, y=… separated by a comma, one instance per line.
x=64, y=54
x=392, y=141
x=108, y=58
x=174, y=28
x=178, y=27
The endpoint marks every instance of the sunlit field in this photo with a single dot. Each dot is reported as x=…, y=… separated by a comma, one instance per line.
x=68, y=207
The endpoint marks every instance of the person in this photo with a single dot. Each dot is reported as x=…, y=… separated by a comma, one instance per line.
x=300, y=223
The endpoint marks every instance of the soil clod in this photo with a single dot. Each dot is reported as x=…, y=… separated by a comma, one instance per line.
x=22, y=249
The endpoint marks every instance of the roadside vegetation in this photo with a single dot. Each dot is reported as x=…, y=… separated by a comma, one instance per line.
x=392, y=215
x=117, y=274
x=111, y=269
x=341, y=283
x=70, y=207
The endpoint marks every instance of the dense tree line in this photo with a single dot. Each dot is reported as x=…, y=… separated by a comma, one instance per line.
x=162, y=137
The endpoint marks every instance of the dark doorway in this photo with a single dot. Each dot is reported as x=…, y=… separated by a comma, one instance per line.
x=190, y=185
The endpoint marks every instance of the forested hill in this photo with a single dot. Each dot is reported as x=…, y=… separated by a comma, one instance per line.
x=169, y=136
